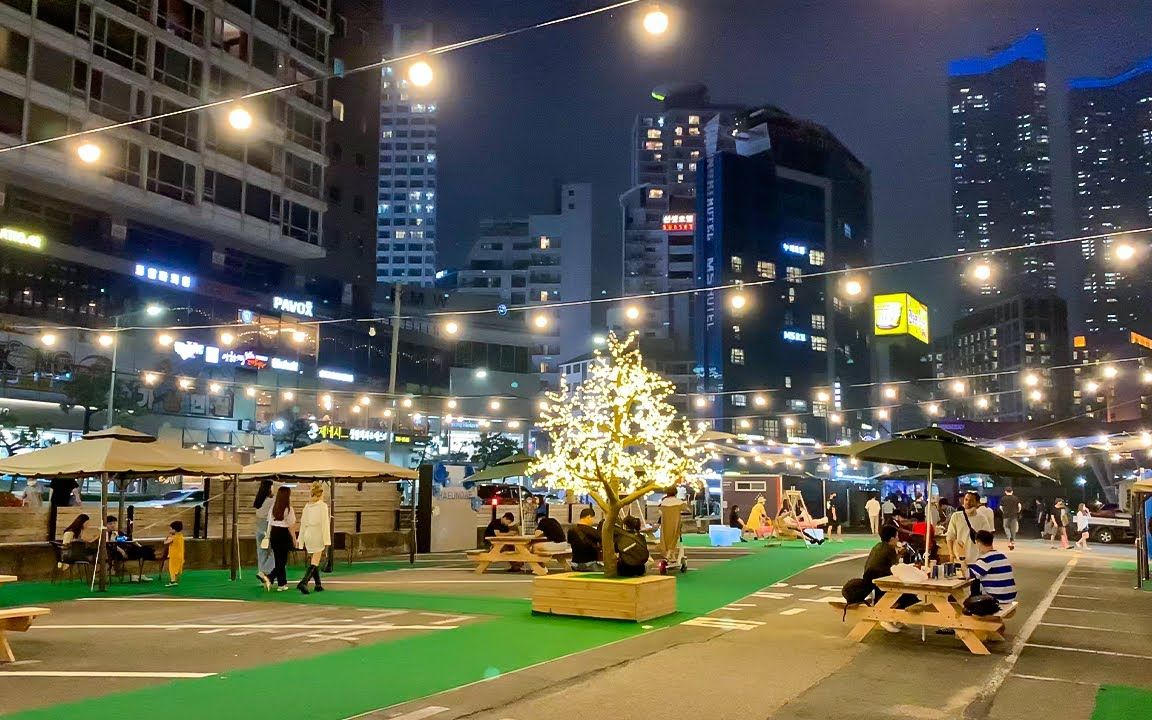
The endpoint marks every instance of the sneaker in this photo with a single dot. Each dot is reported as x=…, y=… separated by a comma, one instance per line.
x=945, y=631
x=172, y=584
x=1011, y=546
x=891, y=627
x=281, y=588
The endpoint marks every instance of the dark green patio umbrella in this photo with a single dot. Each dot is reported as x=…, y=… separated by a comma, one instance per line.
x=933, y=449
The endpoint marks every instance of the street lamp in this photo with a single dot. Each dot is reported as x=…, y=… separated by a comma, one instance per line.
x=240, y=119
x=89, y=152
x=48, y=339
x=656, y=21
x=420, y=73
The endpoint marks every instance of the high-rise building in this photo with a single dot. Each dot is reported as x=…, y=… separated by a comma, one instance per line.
x=1111, y=123
x=538, y=260
x=406, y=201
x=659, y=212
x=353, y=132
x=1005, y=350
x=788, y=203
x=1113, y=377
x=1001, y=167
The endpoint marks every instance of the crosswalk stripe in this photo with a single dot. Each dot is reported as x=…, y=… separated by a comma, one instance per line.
x=780, y=585
x=723, y=623
x=772, y=596
x=793, y=611
x=803, y=587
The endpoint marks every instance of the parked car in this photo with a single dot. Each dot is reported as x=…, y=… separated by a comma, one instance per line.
x=500, y=494
x=175, y=497
x=1109, y=525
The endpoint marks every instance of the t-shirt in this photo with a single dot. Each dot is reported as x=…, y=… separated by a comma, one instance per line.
x=994, y=572
x=495, y=528
x=62, y=491
x=1010, y=507
x=888, y=507
x=880, y=561
x=551, y=529
x=830, y=512
x=958, y=531
x=585, y=542
x=872, y=506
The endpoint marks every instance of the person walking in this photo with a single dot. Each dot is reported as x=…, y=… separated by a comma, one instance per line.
x=265, y=563
x=872, y=507
x=315, y=536
x=887, y=510
x=1081, y=520
x=281, y=535
x=832, y=513
x=1010, y=510
x=1041, y=516
x=1060, y=523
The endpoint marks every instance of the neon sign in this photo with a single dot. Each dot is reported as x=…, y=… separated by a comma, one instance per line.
x=337, y=375
x=19, y=237
x=293, y=307
x=163, y=275
x=212, y=355
x=679, y=223
x=795, y=336
x=795, y=248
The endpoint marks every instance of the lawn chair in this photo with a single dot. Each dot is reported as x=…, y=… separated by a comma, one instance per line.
x=65, y=563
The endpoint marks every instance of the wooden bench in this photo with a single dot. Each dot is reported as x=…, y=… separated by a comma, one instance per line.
x=17, y=620
x=517, y=549
x=593, y=595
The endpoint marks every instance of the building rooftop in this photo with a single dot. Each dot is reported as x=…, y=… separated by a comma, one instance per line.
x=1143, y=67
x=1030, y=48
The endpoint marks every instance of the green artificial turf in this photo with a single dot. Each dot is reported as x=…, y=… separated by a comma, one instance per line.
x=363, y=678
x=1117, y=702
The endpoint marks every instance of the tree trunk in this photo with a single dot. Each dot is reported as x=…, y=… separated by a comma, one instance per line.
x=608, y=539
x=88, y=413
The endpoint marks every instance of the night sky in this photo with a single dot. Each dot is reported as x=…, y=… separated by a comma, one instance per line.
x=519, y=115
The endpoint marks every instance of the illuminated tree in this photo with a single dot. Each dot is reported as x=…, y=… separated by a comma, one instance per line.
x=615, y=437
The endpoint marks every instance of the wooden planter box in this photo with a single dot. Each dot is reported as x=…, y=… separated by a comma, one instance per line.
x=593, y=595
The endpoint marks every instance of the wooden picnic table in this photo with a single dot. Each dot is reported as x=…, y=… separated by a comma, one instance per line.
x=940, y=606
x=17, y=619
x=7, y=579
x=517, y=549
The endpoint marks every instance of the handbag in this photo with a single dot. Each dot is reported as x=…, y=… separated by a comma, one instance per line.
x=981, y=605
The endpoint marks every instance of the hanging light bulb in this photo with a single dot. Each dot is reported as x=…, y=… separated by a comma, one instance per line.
x=823, y=396
x=1031, y=380
x=890, y=393
x=760, y=401
x=452, y=327
x=89, y=152
x=656, y=21
x=738, y=300
x=982, y=403
x=420, y=73
x=240, y=119
x=632, y=312
x=250, y=392
x=958, y=387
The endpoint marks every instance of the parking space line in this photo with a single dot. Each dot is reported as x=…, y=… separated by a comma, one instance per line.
x=1084, y=627
x=1097, y=612
x=1080, y=597
x=793, y=611
x=1110, y=653
x=1043, y=678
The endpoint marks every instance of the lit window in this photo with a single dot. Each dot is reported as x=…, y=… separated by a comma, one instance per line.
x=653, y=134
x=737, y=356
x=545, y=242
x=816, y=257
x=679, y=130
x=791, y=295
x=338, y=111
x=817, y=321
x=794, y=274
x=693, y=119
x=694, y=131
x=740, y=400
x=788, y=381
x=543, y=296
x=737, y=264
x=819, y=343
x=765, y=269
x=655, y=193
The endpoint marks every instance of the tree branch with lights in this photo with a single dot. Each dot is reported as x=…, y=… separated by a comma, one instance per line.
x=615, y=436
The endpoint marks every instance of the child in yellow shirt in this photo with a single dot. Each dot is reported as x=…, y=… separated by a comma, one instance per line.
x=175, y=543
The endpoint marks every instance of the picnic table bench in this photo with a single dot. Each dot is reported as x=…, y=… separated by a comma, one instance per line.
x=940, y=607
x=517, y=549
x=17, y=619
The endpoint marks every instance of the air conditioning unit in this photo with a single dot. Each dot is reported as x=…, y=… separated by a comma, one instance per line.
x=119, y=231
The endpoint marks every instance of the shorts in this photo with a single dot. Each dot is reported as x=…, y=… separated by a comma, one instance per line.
x=833, y=524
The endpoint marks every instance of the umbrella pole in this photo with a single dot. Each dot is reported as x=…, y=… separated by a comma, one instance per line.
x=235, y=574
x=928, y=532
x=331, y=523
x=101, y=570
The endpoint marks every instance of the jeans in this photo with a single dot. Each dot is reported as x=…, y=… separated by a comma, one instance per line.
x=281, y=542
x=1012, y=528
x=265, y=562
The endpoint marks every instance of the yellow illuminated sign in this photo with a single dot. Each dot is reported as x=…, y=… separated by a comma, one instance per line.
x=900, y=314
x=19, y=237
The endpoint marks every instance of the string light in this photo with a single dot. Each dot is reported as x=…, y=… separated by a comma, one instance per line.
x=105, y=340
x=632, y=313
x=150, y=378
x=890, y=393
x=1110, y=371
x=214, y=388
x=289, y=395
x=760, y=401
x=250, y=392
x=89, y=152
x=982, y=403
x=240, y=119
x=958, y=387
x=365, y=401
x=47, y=339
x=656, y=21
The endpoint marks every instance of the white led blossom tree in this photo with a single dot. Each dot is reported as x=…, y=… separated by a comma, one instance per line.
x=615, y=437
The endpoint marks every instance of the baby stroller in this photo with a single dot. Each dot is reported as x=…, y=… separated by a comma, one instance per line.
x=669, y=547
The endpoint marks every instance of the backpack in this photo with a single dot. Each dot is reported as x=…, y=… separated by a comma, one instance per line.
x=981, y=605
x=856, y=591
x=632, y=549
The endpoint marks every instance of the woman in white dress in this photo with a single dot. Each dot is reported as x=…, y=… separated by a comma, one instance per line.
x=315, y=535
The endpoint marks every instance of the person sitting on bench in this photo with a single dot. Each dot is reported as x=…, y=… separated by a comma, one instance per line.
x=503, y=525
x=75, y=547
x=631, y=548
x=992, y=570
x=883, y=556
x=584, y=538
x=551, y=536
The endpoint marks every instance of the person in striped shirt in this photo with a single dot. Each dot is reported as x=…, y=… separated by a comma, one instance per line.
x=993, y=570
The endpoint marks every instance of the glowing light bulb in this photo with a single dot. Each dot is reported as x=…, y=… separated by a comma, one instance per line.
x=1031, y=380
x=1124, y=252
x=738, y=300
x=958, y=387
x=48, y=339
x=1036, y=396
x=632, y=312
x=982, y=403
x=105, y=340
x=852, y=288
x=240, y=119
x=882, y=414
x=656, y=21
x=982, y=272
x=1110, y=372
x=250, y=392
x=214, y=388
x=452, y=327
x=540, y=321
x=165, y=339
x=289, y=395
x=1092, y=386
x=451, y=404
x=150, y=378
x=406, y=402
x=835, y=418
x=89, y=152
x=365, y=401
x=494, y=405
x=227, y=338
x=760, y=401
x=420, y=73
x=701, y=402
x=890, y=393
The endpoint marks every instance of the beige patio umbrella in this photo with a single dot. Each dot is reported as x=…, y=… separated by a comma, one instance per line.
x=326, y=461
x=115, y=451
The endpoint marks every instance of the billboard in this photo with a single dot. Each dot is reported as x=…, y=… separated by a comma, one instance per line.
x=900, y=314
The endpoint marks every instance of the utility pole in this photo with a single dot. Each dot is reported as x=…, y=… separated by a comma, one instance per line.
x=392, y=369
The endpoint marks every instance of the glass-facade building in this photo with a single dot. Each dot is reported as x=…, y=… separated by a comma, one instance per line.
x=1111, y=124
x=788, y=203
x=1001, y=166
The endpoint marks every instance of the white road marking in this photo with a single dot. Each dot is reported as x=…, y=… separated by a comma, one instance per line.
x=803, y=587
x=1098, y=612
x=445, y=619
x=793, y=611
x=772, y=596
x=1083, y=627
x=1004, y=668
x=1110, y=653
x=779, y=585
x=418, y=714
x=98, y=674
x=1080, y=597
x=158, y=599
x=830, y=588
x=222, y=628
x=426, y=582
x=825, y=599
x=720, y=623
x=836, y=561
x=742, y=605
x=1051, y=679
